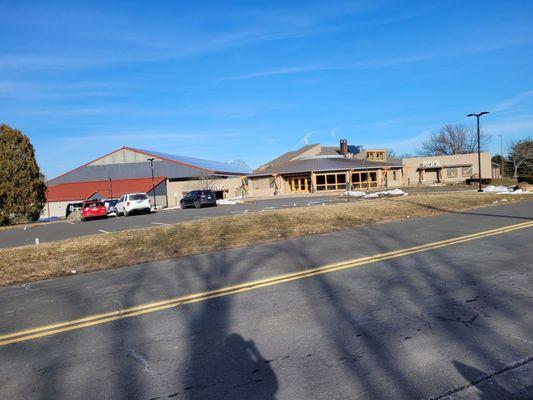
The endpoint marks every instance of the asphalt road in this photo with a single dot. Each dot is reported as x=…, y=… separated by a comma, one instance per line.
x=444, y=319
x=68, y=229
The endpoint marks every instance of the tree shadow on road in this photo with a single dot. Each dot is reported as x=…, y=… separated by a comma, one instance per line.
x=486, y=385
x=370, y=327
x=437, y=297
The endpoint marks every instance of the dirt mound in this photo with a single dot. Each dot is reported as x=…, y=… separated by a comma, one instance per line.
x=526, y=187
x=74, y=216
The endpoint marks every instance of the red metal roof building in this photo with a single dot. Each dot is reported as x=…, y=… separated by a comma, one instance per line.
x=129, y=170
x=76, y=191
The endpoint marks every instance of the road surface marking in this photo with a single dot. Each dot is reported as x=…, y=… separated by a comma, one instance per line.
x=97, y=319
x=101, y=230
x=160, y=223
x=69, y=222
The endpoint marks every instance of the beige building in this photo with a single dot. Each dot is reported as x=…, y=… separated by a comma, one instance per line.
x=315, y=168
x=445, y=169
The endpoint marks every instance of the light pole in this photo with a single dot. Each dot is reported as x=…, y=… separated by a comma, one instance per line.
x=478, y=145
x=153, y=181
x=501, y=155
x=366, y=169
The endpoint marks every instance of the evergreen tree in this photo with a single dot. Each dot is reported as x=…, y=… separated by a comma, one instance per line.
x=22, y=187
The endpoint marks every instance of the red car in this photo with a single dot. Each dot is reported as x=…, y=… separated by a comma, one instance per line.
x=93, y=209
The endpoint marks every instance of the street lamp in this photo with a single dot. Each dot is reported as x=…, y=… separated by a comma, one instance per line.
x=478, y=145
x=501, y=155
x=153, y=181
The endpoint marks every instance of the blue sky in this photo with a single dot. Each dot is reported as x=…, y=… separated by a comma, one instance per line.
x=238, y=80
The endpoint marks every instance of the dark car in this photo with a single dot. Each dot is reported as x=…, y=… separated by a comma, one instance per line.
x=199, y=198
x=111, y=206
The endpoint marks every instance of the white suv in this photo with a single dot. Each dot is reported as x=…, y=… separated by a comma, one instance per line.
x=132, y=202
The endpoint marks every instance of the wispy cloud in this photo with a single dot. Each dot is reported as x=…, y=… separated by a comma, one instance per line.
x=522, y=125
x=273, y=72
x=17, y=89
x=124, y=38
x=120, y=136
x=508, y=104
x=377, y=63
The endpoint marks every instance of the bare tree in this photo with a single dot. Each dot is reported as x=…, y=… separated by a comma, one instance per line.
x=453, y=139
x=391, y=153
x=520, y=156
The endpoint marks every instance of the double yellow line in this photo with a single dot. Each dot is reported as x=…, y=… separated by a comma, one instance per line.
x=97, y=319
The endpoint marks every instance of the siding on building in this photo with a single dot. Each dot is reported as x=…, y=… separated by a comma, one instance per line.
x=454, y=168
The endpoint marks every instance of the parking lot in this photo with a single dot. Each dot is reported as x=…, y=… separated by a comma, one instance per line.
x=69, y=229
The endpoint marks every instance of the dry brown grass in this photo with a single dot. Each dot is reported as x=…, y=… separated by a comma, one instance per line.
x=31, y=263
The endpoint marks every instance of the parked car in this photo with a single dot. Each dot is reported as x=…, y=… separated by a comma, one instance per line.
x=93, y=209
x=133, y=202
x=71, y=207
x=199, y=198
x=111, y=206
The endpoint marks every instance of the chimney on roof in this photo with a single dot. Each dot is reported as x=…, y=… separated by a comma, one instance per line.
x=344, y=147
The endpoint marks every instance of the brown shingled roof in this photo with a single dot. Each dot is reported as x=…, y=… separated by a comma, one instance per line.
x=321, y=164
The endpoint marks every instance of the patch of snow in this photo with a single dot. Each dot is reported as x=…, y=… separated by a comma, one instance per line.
x=229, y=202
x=172, y=208
x=353, y=193
x=396, y=192
x=497, y=189
x=503, y=190
x=374, y=195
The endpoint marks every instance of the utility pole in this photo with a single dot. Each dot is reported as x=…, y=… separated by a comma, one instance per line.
x=478, y=145
x=501, y=154
x=153, y=181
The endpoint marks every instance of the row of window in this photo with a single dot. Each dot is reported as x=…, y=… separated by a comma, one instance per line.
x=375, y=155
x=332, y=181
x=338, y=181
x=262, y=183
x=466, y=172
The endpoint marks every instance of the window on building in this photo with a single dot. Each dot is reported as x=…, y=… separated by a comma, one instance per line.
x=334, y=181
x=451, y=172
x=271, y=183
x=299, y=183
x=467, y=172
x=360, y=179
x=394, y=175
